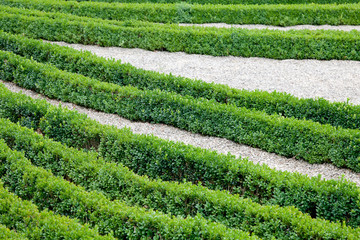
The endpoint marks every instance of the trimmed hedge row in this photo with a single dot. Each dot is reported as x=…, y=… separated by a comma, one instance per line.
x=7, y=234
x=337, y=114
x=289, y=137
x=117, y=182
x=231, y=1
x=25, y=218
x=148, y=155
x=283, y=15
x=110, y=217
x=295, y=44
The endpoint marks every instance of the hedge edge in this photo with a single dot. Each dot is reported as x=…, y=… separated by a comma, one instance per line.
x=294, y=44
x=320, y=110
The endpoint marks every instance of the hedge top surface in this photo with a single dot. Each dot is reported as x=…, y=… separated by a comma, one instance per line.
x=308, y=140
x=282, y=15
x=277, y=44
x=55, y=74
x=41, y=108
x=83, y=62
x=7, y=234
x=231, y=1
x=189, y=193
x=113, y=24
x=222, y=171
x=93, y=206
x=57, y=5
x=28, y=221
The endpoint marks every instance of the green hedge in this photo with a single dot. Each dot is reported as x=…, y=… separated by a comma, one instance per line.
x=114, y=217
x=148, y=155
x=117, y=182
x=337, y=114
x=289, y=137
x=230, y=1
x=297, y=44
x=284, y=15
x=7, y=234
x=25, y=219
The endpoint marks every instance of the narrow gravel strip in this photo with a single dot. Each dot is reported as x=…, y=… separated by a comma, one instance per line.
x=333, y=80
x=346, y=28
x=221, y=145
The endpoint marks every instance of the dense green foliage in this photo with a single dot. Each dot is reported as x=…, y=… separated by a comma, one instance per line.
x=284, y=15
x=25, y=218
x=117, y=182
x=127, y=186
x=289, y=137
x=337, y=114
x=296, y=44
x=7, y=234
x=115, y=217
x=157, y=158
x=230, y=1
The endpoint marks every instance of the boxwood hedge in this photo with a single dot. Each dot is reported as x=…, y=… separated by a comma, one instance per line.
x=110, y=217
x=294, y=44
x=313, y=142
x=27, y=222
x=160, y=159
x=283, y=15
x=117, y=182
x=340, y=114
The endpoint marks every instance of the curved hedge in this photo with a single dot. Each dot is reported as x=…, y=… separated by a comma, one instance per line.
x=25, y=218
x=289, y=137
x=283, y=15
x=148, y=155
x=295, y=44
x=7, y=234
x=319, y=110
x=114, y=217
x=231, y=1
x=117, y=182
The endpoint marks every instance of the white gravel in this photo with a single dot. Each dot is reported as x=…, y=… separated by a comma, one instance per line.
x=221, y=145
x=333, y=80
x=346, y=28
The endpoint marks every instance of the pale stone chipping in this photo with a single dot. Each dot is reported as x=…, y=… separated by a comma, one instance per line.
x=221, y=145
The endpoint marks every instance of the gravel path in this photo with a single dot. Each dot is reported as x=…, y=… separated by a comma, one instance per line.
x=333, y=80
x=221, y=145
x=346, y=28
